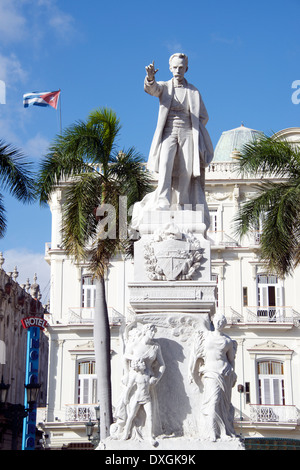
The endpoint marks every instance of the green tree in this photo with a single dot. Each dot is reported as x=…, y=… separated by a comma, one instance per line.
x=276, y=207
x=16, y=178
x=85, y=159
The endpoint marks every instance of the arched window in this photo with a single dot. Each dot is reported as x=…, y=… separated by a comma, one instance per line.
x=271, y=382
x=87, y=382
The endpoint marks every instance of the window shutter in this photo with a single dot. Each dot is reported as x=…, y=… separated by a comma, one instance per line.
x=85, y=390
x=276, y=392
x=266, y=391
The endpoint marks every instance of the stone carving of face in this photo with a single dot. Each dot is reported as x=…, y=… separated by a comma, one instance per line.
x=178, y=68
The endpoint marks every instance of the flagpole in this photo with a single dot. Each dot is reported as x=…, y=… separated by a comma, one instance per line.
x=60, y=123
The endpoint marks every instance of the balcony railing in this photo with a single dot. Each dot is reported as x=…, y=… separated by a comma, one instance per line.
x=262, y=315
x=219, y=237
x=282, y=414
x=267, y=314
x=80, y=413
x=221, y=170
x=229, y=170
x=79, y=315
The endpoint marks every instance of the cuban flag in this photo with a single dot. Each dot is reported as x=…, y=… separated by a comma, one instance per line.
x=46, y=98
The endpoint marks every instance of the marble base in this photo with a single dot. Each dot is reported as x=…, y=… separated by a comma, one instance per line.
x=170, y=443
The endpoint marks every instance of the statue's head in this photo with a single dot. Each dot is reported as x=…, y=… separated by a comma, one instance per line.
x=178, y=64
x=219, y=321
x=149, y=330
x=138, y=365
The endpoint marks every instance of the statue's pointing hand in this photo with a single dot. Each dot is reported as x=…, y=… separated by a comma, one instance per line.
x=150, y=69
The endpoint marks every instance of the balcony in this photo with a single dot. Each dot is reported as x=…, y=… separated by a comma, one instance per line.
x=260, y=315
x=275, y=315
x=221, y=238
x=221, y=170
x=229, y=170
x=276, y=414
x=84, y=315
x=80, y=413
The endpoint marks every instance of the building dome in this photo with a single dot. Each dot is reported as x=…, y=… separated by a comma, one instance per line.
x=231, y=143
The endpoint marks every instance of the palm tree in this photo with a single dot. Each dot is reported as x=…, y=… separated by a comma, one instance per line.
x=15, y=177
x=85, y=156
x=276, y=206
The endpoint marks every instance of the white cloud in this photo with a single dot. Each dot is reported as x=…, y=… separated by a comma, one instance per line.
x=36, y=147
x=11, y=70
x=174, y=46
x=28, y=264
x=12, y=22
x=62, y=23
x=217, y=38
x=26, y=20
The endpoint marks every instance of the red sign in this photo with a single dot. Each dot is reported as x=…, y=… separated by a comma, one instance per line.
x=34, y=321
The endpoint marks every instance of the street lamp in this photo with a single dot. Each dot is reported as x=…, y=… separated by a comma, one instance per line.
x=240, y=388
x=90, y=428
x=32, y=390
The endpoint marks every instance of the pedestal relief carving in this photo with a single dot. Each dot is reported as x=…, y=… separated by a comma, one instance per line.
x=172, y=255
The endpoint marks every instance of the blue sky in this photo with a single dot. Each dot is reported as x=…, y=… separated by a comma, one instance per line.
x=243, y=57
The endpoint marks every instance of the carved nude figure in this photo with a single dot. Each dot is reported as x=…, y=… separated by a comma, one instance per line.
x=139, y=385
x=144, y=368
x=216, y=353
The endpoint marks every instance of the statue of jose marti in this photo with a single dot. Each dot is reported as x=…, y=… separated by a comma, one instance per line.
x=181, y=147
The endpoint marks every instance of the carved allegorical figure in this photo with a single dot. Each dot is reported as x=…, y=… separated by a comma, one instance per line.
x=215, y=352
x=181, y=146
x=144, y=367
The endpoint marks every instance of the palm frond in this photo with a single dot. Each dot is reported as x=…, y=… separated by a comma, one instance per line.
x=2, y=218
x=104, y=121
x=100, y=253
x=270, y=156
x=82, y=146
x=79, y=226
x=80, y=139
x=280, y=234
x=276, y=211
x=58, y=167
x=16, y=173
x=85, y=159
x=129, y=170
x=250, y=213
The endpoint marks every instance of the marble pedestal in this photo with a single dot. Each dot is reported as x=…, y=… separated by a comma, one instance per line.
x=172, y=290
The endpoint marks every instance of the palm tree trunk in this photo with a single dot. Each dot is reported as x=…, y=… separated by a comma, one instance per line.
x=102, y=358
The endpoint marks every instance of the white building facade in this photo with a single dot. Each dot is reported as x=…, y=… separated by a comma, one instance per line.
x=262, y=311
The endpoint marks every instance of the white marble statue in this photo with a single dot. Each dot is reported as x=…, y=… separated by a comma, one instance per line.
x=215, y=352
x=144, y=367
x=181, y=146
